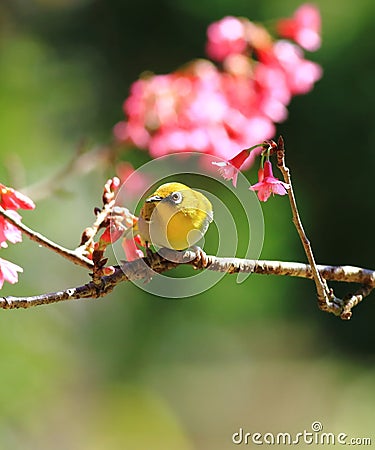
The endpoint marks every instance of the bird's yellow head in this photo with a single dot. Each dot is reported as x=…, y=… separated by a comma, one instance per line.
x=174, y=216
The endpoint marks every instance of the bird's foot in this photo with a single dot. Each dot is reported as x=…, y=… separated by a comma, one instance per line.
x=201, y=260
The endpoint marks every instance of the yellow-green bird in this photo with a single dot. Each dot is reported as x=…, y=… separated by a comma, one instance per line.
x=174, y=216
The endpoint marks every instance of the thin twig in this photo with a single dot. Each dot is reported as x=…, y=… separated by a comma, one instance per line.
x=71, y=255
x=145, y=267
x=82, y=162
x=352, y=300
x=326, y=300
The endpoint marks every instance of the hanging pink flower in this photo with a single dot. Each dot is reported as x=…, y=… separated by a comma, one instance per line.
x=229, y=169
x=8, y=272
x=268, y=184
x=303, y=28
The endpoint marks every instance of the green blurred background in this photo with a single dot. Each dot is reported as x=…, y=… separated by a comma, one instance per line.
x=134, y=371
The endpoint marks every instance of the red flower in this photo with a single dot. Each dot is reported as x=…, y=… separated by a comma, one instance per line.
x=109, y=270
x=8, y=272
x=303, y=28
x=120, y=221
x=229, y=169
x=112, y=233
x=12, y=199
x=268, y=184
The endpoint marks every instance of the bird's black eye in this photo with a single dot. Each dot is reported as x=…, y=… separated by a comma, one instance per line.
x=176, y=197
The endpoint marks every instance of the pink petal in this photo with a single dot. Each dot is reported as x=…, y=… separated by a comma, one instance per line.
x=12, y=199
x=8, y=231
x=8, y=272
x=279, y=188
x=227, y=171
x=225, y=37
x=132, y=252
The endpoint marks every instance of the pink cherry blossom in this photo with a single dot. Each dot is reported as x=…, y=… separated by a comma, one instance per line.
x=8, y=272
x=12, y=199
x=273, y=90
x=298, y=73
x=219, y=111
x=112, y=233
x=229, y=169
x=268, y=184
x=8, y=231
x=304, y=27
x=120, y=221
x=133, y=132
x=216, y=113
x=226, y=37
x=131, y=250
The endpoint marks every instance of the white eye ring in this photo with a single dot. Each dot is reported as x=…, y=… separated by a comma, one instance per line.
x=176, y=197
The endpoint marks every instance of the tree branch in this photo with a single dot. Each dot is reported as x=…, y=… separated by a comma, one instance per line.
x=143, y=268
x=71, y=255
x=166, y=259
x=326, y=299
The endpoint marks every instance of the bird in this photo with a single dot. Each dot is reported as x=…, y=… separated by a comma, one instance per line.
x=174, y=216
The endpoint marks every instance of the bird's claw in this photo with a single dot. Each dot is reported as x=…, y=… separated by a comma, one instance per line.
x=201, y=259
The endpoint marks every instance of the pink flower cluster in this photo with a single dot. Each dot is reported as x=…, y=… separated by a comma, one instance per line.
x=220, y=111
x=10, y=200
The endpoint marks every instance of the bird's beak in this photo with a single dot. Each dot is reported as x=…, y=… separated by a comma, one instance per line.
x=154, y=198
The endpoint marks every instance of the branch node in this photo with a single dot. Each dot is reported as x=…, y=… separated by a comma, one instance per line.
x=7, y=304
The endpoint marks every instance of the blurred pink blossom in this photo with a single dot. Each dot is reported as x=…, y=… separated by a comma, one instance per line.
x=133, y=182
x=220, y=111
x=300, y=73
x=303, y=28
x=226, y=37
x=216, y=113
